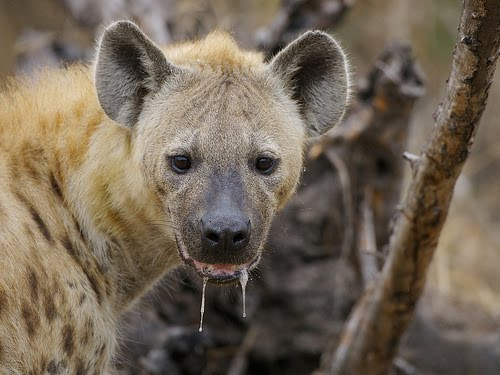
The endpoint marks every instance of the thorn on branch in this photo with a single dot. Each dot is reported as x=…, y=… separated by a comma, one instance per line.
x=413, y=159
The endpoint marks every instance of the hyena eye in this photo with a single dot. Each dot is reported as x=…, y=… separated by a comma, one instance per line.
x=265, y=165
x=180, y=163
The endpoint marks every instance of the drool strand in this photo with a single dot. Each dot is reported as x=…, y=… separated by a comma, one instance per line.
x=243, y=283
x=202, y=310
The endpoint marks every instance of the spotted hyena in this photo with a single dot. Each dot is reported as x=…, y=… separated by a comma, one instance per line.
x=113, y=175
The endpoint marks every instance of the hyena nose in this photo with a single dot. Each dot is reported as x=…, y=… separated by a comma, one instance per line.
x=227, y=232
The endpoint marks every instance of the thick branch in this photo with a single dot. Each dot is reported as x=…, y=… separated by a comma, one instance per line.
x=370, y=346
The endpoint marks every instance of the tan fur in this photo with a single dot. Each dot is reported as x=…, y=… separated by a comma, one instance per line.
x=87, y=217
x=217, y=50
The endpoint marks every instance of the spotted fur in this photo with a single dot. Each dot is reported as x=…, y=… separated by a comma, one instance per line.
x=91, y=213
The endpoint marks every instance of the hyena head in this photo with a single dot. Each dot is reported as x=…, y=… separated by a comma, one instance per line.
x=220, y=133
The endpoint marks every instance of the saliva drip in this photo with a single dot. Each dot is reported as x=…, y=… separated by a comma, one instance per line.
x=202, y=310
x=243, y=283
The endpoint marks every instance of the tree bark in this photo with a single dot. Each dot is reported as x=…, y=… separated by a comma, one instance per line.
x=371, y=336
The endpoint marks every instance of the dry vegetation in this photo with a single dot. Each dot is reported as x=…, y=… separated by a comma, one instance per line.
x=466, y=263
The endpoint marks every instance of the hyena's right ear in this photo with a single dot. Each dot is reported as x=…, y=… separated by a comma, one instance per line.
x=129, y=67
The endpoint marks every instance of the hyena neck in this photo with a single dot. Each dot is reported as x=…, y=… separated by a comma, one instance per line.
x=121, y=219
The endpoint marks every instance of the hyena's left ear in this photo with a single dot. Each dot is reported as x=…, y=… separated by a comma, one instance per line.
x=315, y=71
x=129, y=67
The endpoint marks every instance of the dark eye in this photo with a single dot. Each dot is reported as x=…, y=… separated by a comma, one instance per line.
x=180, y=163
x=265, y=165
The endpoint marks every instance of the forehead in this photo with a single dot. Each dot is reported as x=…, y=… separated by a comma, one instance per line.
x=232, y=112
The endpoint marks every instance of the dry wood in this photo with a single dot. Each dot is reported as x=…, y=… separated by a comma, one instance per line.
x=367, y=243
x=345, y=182
x=366, y=153
x=372, y=334
x=239, y=363
x=403, y=367
x=296, y=16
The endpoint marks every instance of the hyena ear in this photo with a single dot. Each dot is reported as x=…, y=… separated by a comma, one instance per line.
x=129, y=67
x=315, y=71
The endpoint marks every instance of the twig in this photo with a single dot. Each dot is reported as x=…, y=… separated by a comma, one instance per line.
x=387, y=309
x=403, y=367
x=295, y=16
x=239, y=362
x=413, y=159
x=345, y=182
x=367, y=244
x=410, y=157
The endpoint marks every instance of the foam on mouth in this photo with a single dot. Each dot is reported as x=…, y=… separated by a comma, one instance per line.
x=218, y=272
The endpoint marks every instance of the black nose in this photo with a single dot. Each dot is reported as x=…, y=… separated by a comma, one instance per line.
x=225, y=232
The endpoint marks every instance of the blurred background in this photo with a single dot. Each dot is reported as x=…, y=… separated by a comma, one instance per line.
x=465, y=272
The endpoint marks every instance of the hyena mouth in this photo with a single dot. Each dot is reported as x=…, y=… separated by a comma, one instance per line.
x=218, y=272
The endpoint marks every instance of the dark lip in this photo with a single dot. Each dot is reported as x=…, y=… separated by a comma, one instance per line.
x=217, y=279
x=225, y=279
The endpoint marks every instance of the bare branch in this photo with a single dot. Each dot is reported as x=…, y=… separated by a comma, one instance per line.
x=367, y=244
x=403, y=367
x=372, y=334
x=239, y=362
x=296, y=16
x=370, y=142
x=345, y=181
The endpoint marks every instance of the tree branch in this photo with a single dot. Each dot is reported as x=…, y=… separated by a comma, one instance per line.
x=345, y=182
x=367, y=242
x=296, y=16
x=372, y=335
